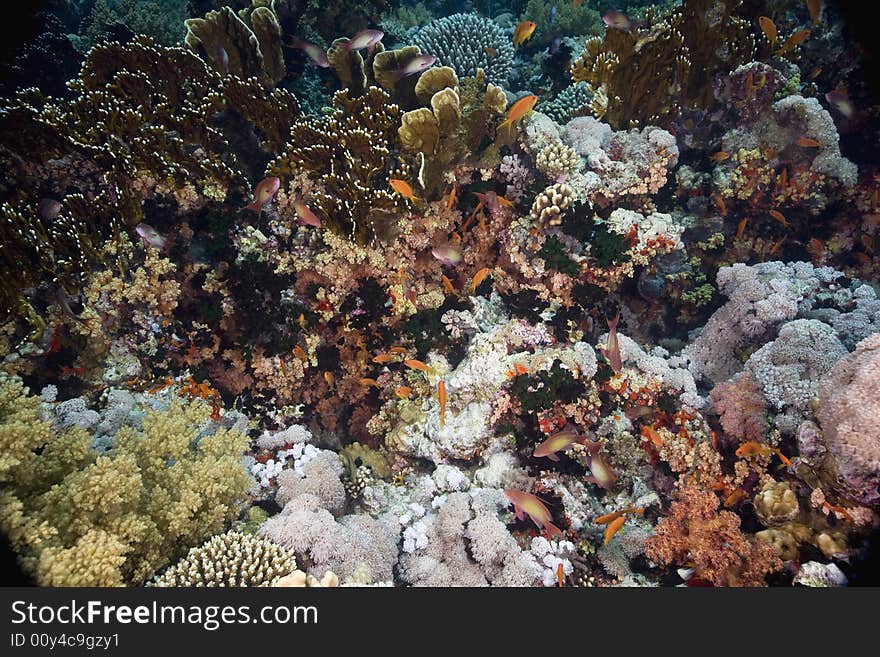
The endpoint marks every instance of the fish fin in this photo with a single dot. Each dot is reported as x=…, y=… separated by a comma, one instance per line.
x=552, y=530
x=612, y=323
x=553, y=457
x=519, y=513
x=256, y=206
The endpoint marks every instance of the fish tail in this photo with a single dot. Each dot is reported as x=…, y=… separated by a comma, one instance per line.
x=256, y=206
x=552, y=530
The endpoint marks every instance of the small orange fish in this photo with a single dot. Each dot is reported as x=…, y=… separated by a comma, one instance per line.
x=741, y=228
x=479, y=277
x=794, y=40
x=520, y=369
x=815, y=73
x=783, y=177
x=523, y=32
x=776, y=214
x=447, y=285
x=369, y=382
x=560, y=576
x=782, y=457
x=838, y=510
x=403, y=392
x=404, y=189
x=612, y=528
x=518, y=110
x=735, y=498
x=441, y=396
x=450, y=200
x=722, y=206
x=720, y=156
x=752, y=448
x=652, y=435
x=418, y=365
x=398, y=350
x=492, y=52
x=768, y=27
x=300, y=353
x=330, y=379
x=776, y=246
x=575, y=3
x=806, y=142
x=303, y=324
x=383, y=358
x=815, y=8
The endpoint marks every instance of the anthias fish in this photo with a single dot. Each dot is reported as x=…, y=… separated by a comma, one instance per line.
x=150, y=236
x=403, y=188
x=557, y=443
x=315, y=53
x=526, y=504
x=306, y=216
x=617, y=21
x=523, y=32
x=364, y=39
x=265, y=190
x=612, y=351
x=518, y=110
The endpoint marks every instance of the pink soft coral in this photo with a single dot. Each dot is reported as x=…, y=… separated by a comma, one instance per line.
x=741, y=406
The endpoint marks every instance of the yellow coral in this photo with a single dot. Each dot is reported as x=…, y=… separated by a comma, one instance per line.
x=79, y=518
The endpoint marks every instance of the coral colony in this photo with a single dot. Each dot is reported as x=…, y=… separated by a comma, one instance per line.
x=425, y=294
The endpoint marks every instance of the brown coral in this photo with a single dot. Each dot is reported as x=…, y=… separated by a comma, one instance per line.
x=696, y=531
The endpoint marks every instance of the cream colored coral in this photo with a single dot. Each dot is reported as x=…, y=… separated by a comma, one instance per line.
x=785, y=544
x=230, y=559
x=557, y=160
x=551, y=203
x=79, y=518
x=776, y=503
x=299, y=579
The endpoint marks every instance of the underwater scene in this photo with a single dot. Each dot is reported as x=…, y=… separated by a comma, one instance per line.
x=540, y=293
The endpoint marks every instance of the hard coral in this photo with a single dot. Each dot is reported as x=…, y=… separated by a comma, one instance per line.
x=647, y=74
x=695, y=531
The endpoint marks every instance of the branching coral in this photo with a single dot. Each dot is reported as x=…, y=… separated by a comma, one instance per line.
x=467, y=42
x=80, y=518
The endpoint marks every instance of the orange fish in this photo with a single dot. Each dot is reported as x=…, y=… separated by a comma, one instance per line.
x=300, y=353
x=330, y=379
x=479, y=277
x=783, y=177
x=720, y=156
x=398, y=350
x=815, y=73
x=741, y=228
x=612, y=528
x=753, y=447
x=447, y=285
x=815, y=8
x=450, y=201
x=403, y=392
x=601, y=473
x=523, y=32
x=556, y=443
x=418, y=365
x=776, y=214
x=441, y=396
x=518, y=110
x=652, y=435
x=302, y=321
x=492, y=52
x=383, y=358
x=526, y=504
x=404, y=189
x=806, y=142
x=722, y=206
x=794, y=40
x=768, y=27
x=575, y=3
x=776, y=246
x=369, y=382
x=560, y=571
x=735, y=498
